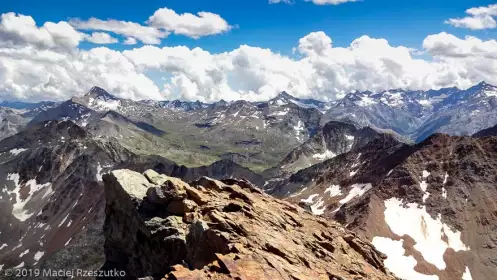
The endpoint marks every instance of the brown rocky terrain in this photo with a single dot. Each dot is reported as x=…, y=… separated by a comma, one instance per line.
x=159, y=226
x=334, y=138
x=491, y=131
x=429, y=207
x=52, y=197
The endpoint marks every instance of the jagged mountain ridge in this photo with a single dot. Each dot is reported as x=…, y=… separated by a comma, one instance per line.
x=360, y=171
x=462, y=113
x=491, y=131
x=391, y=193
x=284, y=98
x=255, y=135
x=418, y=114
x=204, y=133
x=26, y=105
x=11, y=121
x=333, y=139
x=52, y=196
x=415, y=114
x=396, y=110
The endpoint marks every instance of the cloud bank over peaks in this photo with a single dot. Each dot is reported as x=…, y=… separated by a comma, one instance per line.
x=45, y=63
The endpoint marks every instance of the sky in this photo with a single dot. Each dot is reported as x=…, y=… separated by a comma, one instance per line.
x=245, y=49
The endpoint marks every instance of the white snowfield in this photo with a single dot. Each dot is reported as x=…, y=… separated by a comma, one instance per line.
x=16, y=152
x=432, y=238
x=299, y=130
x=356, y=190
x=318, y=207
x=325, y=155
x=424, y=186
x=38, y=255
x=18, y=207
x=397, y=262
x=298, y=193
x=366, y=101
x=467, y=275
x=310, y=199
x=334, y=190
x=104, y=104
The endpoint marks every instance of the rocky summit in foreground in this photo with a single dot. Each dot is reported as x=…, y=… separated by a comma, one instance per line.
x=161, y=227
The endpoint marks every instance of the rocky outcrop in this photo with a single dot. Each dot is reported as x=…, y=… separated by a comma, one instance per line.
x=492, y=131
x=52, y=197
x=160, y=226
x=219, y=169
x=333, y=139
x=429, y=207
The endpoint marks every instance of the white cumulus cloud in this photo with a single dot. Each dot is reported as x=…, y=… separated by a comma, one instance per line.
x=38, y=63
x=449, y=46
x=16, y=30
x=195, y=26
x=28, y=73
x=323, y=71
x=146, y=34
x=316, y=43
x=160, y=25
x=130, y=41
x=479, y=18
x=101, y=38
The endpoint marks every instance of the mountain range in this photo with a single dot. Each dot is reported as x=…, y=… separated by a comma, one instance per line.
x=377, y=185
x=259, y=135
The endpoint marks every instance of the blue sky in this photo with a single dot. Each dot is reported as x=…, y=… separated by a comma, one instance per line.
x=244, y=49
x=275, y=26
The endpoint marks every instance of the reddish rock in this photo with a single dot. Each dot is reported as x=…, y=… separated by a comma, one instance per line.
x=236, y=233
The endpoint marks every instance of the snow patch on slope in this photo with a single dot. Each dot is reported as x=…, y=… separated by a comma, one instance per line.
x=366, y=101
x=334, y=190
x=445, y=178
x=467, y=274
x=357, y=190
x=424, y=186
x=38, y=255
x=428, y=233
x=397, y=262
x=16, y=152
x=310, y=199
x=326, y=155
x=18, y=207
x=99, y=104
x=299, y=129
x=318, y=207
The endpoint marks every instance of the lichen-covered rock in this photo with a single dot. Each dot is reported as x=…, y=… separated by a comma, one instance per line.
x=182, y=207
x=166, y=193
x=226, y=230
